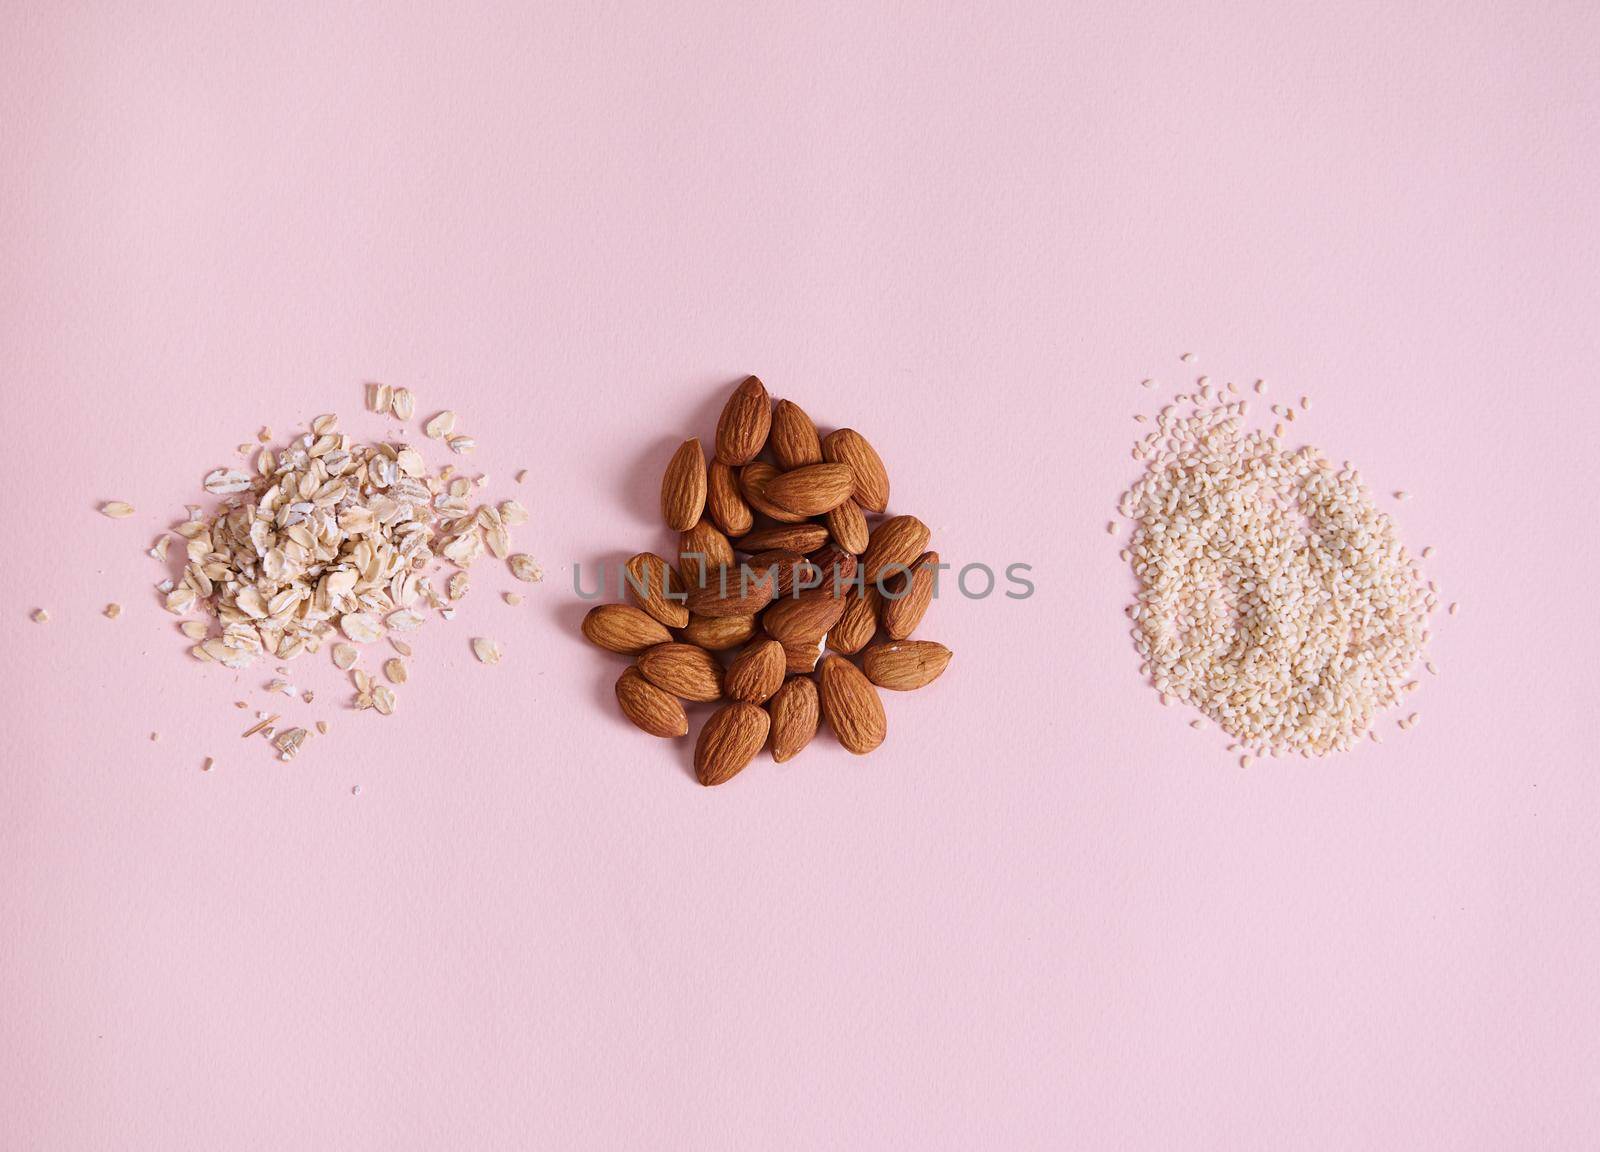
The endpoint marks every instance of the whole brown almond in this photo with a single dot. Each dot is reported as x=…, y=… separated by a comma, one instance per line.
x=718, y=633
x=756, y=673
x=651, y=709
x=899, y=540
x=784, y=565
x=754, y=479
x=858, y=623
x=793, y=441
x=804, y=617
x=907, y=602
x=701, y=550
x=728, y=741
x=623, y=628
x=847, y=524
x=903, y=665
x=800, y=538
x=736, y=591
x=685, y=670
x=683, y=487
x=795, y=712
x=847, y=446
x=725, y=502
x=852, y=707
x=655, y=586
x=801, y=656
x=746, y=419
x=812, y=490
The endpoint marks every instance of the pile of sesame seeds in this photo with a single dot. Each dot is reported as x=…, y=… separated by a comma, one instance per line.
x=1273, y=594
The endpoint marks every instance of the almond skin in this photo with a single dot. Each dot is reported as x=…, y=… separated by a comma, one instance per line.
x=756, y=673
x=784, y=565
x=904, y=665
x=683, y=488
x=805, y=617
x=801, y=656
x=651, y=709
x=652, y=584
x=812, y=490
x=858, y=624
x=793, y=441
x=725, y=502
x=800, y=538
x=718, y=633
x=897, y=541
x=703, y=549
x=852, y=706
x=685, y=670
x=754, y=479
x=795, y=712
x=746, y=419
x=737, y=591
x=729, y=740
x=623, y=628
x=907, y=602
x=837, y=567
x=847, y=446
x=847, y=524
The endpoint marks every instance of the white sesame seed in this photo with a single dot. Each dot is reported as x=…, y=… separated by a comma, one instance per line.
x=1402, y=495
x=1246, y=761
x=1454, y=608
x=1187, y=357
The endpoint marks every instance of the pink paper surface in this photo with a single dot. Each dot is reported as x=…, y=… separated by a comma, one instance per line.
x=1047, y=914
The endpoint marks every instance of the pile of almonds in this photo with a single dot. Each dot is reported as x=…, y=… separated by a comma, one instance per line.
x=818, y=574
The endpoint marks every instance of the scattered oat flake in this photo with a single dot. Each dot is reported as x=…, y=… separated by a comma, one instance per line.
x=401, y=404
x=441, y=425
x=395, y=669
x=345, y=656
x=322, y=727
x=461, y=445
x=360, y=627
x=260, y=726
x=525, y=568
x=383, y=699
x=400, y=645
x=487, y=651
x=116, y=509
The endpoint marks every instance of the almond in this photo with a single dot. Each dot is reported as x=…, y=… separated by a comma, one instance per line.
x=858, y=623
x=725, y=502
x=754, y=478
x=896, y=542
x=805, y=617
x=718, y=633
x=683, y=487
x=623, y=628
x=737, y=591
x=801, y=655
x=728, y=741
x=686, y=671
x=794, y=441
x=703, y=549
x=794, y=714
x=902, y=665
x=800, y=538
x=746, y=419
x=905, y=603
x=784, y=565
x=852, y=707
x=847, y=446
x=847, y=524
x=651, y=709
x=812, y=490
x=756, y=673
x=654, y=585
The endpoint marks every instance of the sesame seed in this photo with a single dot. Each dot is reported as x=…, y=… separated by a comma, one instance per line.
x=1402, y=495
x=1454, y=608
x=1187, y=357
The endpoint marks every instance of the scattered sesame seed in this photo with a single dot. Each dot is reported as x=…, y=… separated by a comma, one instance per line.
x=1246, y=761
x=1427, y=553
x=1187, y=357
x=1261, y=387
x=1111, y=527
x=40, y=616
x=1147, y=383
x=356, y=791
x=1402, y=495
x=1454, y=607
x=112, y=611
x=206, y=767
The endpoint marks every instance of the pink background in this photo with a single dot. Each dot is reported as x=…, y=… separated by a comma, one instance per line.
x=1047, y=914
